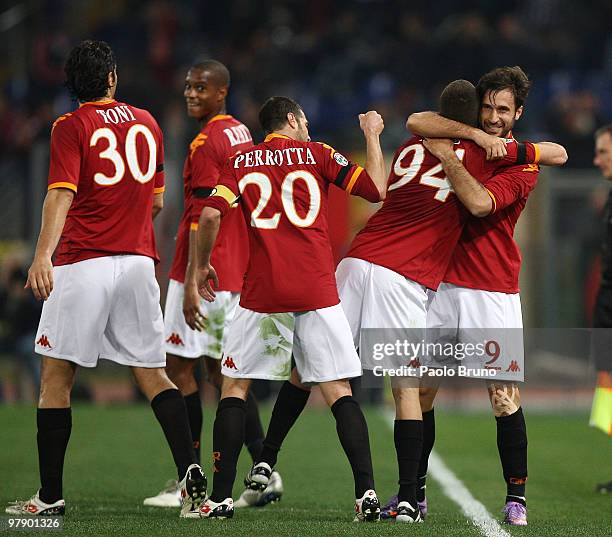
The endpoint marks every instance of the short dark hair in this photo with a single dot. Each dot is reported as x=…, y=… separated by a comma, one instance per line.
x=606, y=129
x=501, y=78
x=87, y=69
x=459, y=101
x=273, y=113
x=220, y=73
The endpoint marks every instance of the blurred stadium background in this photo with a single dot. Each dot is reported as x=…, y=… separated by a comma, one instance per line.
x=337, y=58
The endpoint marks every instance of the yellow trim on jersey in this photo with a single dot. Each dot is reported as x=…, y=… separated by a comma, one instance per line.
x=353, y=179
x=219, y=117
x=331, y=149
x=537, y=153
x=198, y=141
x=159, y=190
x=273, y=135
x=63, y=184
x=61, y=118
x=493, y=200
x=223, y=192
x=103, y=101
x=193, y=226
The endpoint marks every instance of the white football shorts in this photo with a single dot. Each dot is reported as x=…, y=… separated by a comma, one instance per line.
x=106, y=307
x=260, y=346
x=181, y=340
x=487, y=326
x=382, y=307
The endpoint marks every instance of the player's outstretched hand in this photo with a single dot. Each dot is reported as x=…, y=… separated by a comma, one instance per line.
x=191, y=308
x=438, y=147
x=371, y=122
x=493, y=145
x=204, y=276
x=40, y=278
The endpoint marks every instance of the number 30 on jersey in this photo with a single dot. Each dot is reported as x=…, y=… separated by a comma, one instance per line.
x=111, y=153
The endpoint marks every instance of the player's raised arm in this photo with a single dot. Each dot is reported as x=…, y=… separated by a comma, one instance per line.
x=433, y=125
x=551, y=154
x=55, y=208
x=372, y=125
x=474, y=196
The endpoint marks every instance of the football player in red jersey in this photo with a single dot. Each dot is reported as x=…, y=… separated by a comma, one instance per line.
x=289, y=302
x=480, y=288
x=187, y=337
x=106, y=184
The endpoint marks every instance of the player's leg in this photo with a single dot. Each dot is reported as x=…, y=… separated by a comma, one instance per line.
x=289, y=404
x=181, y=371
x=228, y=437
x=325, y=354
x=54, y=423
x=263, y=482
x=259, y=345
x=184, y=347
x=427, y=394
x=498, y=321
x=134, y=336
x=395, y=308
x=408, y=440
x=254, y=434
x=170, y=410
x=69, y=333
x=512, y=447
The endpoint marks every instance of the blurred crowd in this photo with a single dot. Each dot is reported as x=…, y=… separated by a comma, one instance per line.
x=337, y=57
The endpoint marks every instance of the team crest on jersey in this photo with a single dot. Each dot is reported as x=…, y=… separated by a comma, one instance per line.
x=341, y=159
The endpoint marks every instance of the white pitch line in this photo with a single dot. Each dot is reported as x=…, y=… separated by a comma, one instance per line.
x=454, y=489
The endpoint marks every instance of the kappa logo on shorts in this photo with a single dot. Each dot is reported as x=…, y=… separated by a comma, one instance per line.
x=175, y=339
x=43, y=341
x=229, y=363
x=513, y=367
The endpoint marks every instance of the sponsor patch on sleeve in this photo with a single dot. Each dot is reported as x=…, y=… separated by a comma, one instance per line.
x=341, y=159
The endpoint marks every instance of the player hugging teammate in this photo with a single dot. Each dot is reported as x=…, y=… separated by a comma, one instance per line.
x=252, y=286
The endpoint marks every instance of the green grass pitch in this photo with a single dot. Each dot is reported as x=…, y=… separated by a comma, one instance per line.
x=117, y=456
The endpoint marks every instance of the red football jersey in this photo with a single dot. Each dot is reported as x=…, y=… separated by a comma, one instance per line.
x=222, y=137
x=418, y=226
x=283, y=185
x=112, y=155
x=486, y=256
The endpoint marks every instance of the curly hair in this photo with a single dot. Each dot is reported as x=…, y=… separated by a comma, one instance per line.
x=501, y=78
x=87, y=69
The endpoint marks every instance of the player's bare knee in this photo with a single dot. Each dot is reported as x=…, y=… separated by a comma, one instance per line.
x=427, y=396
x=231, y=387
x=56, y=380
x=505, y=398
x=407, y=405
x=334, y=390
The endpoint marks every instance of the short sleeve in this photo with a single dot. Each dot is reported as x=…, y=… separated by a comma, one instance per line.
x=225, y=193
x=340, y=171
x=518, y=153
x=511, y=185
x=207, y=162
x=65, y=154
x=160, y=178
